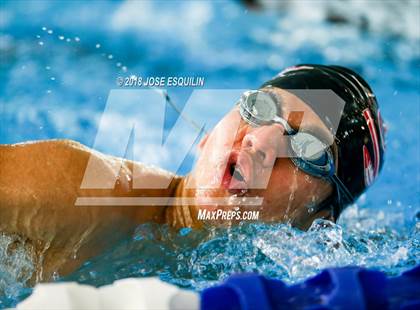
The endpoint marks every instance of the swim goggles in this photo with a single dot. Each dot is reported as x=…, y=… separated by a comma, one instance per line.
x=307, y=152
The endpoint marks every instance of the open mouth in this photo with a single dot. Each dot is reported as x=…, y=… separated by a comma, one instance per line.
x=235, y=178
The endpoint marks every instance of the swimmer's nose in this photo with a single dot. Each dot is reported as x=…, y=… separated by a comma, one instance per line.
x=264, y=143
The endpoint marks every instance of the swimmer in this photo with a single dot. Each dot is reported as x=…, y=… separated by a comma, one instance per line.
x=41, y=181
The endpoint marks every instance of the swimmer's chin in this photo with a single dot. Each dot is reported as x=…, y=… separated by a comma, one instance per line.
x=201, y=198
x=221, y=199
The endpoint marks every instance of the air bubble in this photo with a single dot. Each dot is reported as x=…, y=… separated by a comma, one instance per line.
x=77, y=39
x=41, y=43
x=61, y=37
x=110, y=56
x=97, y=45
x=50, y=31
x=44, y=28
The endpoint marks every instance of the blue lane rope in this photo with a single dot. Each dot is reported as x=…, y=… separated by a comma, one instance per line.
x=334, y=288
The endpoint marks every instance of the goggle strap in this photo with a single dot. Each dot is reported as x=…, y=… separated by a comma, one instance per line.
x=342, y=188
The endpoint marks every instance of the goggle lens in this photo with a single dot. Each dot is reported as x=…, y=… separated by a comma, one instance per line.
x=307, y=146
x=258, y=108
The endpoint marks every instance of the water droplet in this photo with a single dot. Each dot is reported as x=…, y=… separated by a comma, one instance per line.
x=184, y=231
x=97, y=45
x=50, y=31
x=61, y=37
x=41, y=43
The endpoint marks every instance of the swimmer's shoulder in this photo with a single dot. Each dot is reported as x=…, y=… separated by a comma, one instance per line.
x=50, y=143
x=42, y=148
x=46, y=155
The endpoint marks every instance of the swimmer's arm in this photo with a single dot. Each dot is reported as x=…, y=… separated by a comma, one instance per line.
x=39, y=185
x=45, y=176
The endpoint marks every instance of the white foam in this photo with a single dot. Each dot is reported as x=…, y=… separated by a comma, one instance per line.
x=145, y=293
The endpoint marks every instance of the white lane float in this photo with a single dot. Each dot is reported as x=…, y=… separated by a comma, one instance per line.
x=144, y=293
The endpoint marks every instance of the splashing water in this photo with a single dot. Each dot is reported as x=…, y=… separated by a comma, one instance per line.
x=199, y=259
x=16, y=268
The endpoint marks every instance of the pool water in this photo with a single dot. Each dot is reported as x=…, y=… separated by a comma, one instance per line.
x=59, y=60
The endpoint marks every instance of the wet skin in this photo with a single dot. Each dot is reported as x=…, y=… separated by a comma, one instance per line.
x=40, y=182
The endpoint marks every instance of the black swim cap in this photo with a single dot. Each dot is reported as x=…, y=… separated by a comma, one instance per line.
x=359, y=137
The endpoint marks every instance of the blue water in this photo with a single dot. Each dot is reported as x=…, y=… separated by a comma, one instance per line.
x=59, y=60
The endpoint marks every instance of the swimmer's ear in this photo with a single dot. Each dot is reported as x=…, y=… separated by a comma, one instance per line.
x=203, y=141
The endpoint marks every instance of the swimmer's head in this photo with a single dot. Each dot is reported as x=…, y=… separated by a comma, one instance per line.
x=239, y=160
x=359, y=138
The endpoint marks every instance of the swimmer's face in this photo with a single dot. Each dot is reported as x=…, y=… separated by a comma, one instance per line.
x=238, y=160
